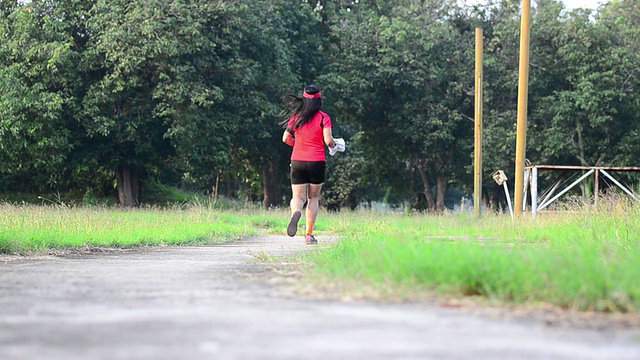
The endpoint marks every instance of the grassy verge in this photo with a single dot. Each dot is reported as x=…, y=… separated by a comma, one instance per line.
x=28, y=229
x=585, y=261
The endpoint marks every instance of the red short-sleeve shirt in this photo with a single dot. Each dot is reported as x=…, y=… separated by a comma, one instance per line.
x=309, y=139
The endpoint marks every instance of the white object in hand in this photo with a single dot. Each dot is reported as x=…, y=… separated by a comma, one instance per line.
x=340, y=146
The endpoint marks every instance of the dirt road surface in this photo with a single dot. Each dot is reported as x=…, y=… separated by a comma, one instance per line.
x=203, y=303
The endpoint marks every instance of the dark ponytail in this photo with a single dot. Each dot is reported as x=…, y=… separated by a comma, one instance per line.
x=303, y=108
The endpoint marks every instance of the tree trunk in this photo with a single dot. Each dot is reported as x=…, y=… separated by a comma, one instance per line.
x=441, y=189
x=231, y=192
x=412, y=188
x=428, y=191
x=270, y=181
x=581, y=156
x=216, y=188
x=128, y=186
x=442, y=177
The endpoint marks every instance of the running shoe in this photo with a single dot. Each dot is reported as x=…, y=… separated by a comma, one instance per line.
x=310, y=239
x=292, y=229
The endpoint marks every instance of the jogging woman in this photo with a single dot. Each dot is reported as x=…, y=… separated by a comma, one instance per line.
x=308, y=130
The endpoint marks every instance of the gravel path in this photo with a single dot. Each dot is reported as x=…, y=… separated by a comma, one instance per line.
x=206, y=303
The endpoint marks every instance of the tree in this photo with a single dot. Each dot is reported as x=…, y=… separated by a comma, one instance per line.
x=586, y=113
x=403, y=79
x=157, y=94
x=280, y=53
x=622, y=20
x=38, y=93
x=188, y=93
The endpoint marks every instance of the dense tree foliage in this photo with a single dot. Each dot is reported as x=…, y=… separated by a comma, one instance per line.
x=187, y=93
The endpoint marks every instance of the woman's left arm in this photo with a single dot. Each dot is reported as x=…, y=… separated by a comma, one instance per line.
x=287, y=138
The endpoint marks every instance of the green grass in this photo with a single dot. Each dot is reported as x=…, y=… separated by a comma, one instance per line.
x=28, y=228
x=585, y=261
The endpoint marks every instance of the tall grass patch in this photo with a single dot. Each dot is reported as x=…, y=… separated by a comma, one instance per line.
x=26, y=228
x=586, y=261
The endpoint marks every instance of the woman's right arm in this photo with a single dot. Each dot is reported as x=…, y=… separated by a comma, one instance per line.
x=327, y=133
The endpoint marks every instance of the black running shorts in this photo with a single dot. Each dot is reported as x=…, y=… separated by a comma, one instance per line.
x=307, y=172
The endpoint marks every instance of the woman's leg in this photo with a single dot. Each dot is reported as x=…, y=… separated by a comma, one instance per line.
x=299, y=194
x=313, y=197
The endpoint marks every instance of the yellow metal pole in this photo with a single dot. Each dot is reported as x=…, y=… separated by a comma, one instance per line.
x=477, y=181
x=523, y=93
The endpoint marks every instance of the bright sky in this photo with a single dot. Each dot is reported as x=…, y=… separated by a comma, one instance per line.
x=570, y=4
x=591, y=4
